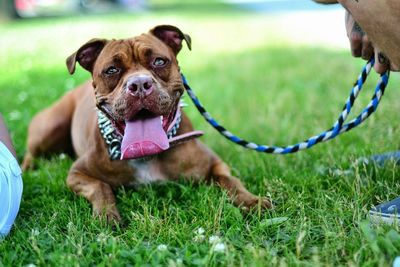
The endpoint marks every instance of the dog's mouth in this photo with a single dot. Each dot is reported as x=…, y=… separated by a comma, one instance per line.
x=145, y=134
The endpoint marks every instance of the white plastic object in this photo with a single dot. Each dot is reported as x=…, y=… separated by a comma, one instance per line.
x=10, y=189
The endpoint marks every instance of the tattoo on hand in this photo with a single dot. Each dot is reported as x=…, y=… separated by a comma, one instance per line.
x=381, y=58
x=357, y=28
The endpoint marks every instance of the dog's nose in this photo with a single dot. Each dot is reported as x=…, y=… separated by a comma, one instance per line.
x=140, y=85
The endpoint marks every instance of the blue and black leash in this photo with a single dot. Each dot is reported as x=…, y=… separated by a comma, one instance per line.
x=338, y=128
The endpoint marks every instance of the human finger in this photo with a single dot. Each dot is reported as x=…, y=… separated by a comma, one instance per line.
x=367, y=50
x=381, y=62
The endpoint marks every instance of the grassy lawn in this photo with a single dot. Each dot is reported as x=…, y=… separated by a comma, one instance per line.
x=259, y=84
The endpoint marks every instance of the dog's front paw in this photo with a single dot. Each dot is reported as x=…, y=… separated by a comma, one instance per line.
x=111, y=214
x=265, y=203
x=251, y=202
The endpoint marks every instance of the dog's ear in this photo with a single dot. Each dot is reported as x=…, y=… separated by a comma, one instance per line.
x=86, y=55
x=172, y=36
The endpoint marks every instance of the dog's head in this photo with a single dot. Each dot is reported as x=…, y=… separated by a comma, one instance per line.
x=137, y=85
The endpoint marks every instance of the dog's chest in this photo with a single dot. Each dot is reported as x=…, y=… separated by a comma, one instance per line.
x=145, y=172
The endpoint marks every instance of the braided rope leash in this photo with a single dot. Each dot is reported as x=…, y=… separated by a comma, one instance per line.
x=338, y=127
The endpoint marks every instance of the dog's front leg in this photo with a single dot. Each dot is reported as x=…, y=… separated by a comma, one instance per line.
x=97, y=192
x=221, y=175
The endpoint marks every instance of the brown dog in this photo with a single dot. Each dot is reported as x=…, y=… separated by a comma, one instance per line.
x=136, y=88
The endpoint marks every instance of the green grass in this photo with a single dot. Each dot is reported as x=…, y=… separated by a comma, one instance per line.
x=258, y=84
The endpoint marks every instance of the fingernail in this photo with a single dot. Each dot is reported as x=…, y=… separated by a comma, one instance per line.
x=381, y=58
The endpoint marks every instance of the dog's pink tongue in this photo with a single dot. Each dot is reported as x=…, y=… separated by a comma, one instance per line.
x=143, y=137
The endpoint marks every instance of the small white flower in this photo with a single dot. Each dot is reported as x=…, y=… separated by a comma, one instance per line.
x=71, y=227
x=30, y=265
x=213, y=239
x=62, y=156
x=338, y=172
x=15, y=115
x=219, y=247
x=102, y=238
x=249, y=246
x=200, y=231
x=22, y=97
x=34, y=232
x=199, y=238
x=162, y=247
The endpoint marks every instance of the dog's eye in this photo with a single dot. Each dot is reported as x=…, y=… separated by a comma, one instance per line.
x=112, y=70
x=159, y=62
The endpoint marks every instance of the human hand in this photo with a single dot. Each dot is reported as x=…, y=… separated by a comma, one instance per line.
x=361, y=46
